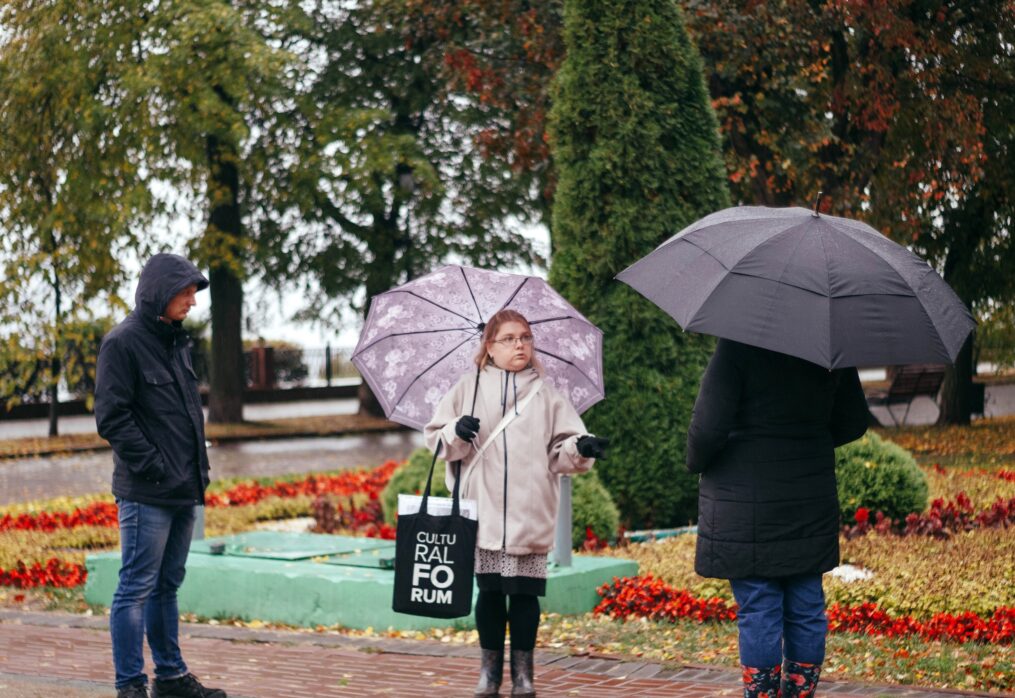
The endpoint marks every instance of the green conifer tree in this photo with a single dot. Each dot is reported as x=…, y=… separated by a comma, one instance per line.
x=638, y=153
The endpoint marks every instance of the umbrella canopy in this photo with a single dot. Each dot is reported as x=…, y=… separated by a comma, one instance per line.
x=830, y=290
x=419, y=338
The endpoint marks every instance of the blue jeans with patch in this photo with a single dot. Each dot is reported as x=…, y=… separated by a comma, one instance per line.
x=781, y=618
x=154, y=542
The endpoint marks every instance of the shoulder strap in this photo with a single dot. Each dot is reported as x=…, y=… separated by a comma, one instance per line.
x=502, y=425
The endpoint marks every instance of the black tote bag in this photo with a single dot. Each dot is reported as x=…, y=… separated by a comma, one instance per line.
x=434, y=559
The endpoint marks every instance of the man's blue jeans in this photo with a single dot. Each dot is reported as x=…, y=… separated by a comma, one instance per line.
x=780, y=618
x=154, y=542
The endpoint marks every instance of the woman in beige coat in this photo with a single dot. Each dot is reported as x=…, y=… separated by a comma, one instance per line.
x=515, y=481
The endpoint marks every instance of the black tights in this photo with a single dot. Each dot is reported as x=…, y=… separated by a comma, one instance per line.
x=493, y=615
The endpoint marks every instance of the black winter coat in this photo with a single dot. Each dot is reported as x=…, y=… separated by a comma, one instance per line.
x=146, y=400
x=762, y=435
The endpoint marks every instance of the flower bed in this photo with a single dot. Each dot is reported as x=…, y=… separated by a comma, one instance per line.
x=649, y=597
x=29, y=534
x=943, y=519
x=104, y=513
x=981, y=485
x=961, y=533
x=54, y=573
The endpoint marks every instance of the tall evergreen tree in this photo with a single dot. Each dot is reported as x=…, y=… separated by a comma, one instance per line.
x=637, y=150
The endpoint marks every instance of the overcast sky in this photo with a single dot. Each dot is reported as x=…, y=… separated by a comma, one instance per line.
x=266, y=314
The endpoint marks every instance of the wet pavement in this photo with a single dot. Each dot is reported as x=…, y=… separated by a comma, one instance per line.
x=57, y=654
x=26, y=479
x=999, y=400
x=85, y=423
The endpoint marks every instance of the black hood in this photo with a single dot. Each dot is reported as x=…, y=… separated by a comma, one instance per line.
x=163, y=277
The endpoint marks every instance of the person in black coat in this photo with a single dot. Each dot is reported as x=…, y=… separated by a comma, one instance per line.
x=762, y=437
x=147, y=406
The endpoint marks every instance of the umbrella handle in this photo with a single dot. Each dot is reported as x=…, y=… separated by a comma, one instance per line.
x=475, y=392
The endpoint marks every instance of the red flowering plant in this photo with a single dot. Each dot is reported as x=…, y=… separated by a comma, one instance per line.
x=649, y=597
x=104, y=513
x=33, y=532
x=943, y=519
x=593, y=542
x=54, y=573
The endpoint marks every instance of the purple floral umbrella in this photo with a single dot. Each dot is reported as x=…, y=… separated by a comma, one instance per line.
x=419, y=338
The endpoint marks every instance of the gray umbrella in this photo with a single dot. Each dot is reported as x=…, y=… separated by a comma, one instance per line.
x=830, y=290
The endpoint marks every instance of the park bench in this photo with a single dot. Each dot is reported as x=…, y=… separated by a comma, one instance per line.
x=908, y=383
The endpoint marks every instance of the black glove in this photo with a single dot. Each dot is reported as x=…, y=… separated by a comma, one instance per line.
x=467, y=427
x=592, y=447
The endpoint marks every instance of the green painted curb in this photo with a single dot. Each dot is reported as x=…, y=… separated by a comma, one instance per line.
x=310, y=579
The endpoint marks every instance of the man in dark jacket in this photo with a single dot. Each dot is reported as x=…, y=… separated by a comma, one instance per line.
x=763, y=436
x=148, y=408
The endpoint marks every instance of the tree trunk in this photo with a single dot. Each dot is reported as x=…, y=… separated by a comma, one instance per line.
x=368, y=402
x=957, y=389
x=227, y=375
x=54, y=396
x=380, y=276
x=54, y=364
x=964, y=227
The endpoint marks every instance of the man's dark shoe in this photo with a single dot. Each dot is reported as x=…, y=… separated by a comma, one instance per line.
x=184, y=687
x=133, y=690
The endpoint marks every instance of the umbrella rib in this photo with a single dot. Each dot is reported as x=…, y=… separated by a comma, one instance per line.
x=569, y=363
x=733, y=270
x=554, y=319
x=420, y=374
x=405, y=334
x=479, y=313
x=514, y=293
x=438, y=305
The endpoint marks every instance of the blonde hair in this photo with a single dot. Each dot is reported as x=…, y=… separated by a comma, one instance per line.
x=483, y=357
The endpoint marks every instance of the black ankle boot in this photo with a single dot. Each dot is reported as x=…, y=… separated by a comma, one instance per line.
x=491, y=673
x=184, y=687
x=521, y=673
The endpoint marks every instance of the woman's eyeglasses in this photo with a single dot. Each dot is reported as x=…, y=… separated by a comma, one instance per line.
x=510, y=341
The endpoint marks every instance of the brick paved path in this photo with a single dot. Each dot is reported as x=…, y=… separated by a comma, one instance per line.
x=44, y=654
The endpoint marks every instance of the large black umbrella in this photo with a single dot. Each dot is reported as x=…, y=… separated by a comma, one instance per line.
x=830, y=290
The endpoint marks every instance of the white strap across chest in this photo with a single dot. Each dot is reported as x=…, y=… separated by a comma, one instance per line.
x=503, y=423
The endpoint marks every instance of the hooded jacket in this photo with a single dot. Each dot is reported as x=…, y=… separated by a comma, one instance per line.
x=762, y=435
x=516, y=481
x=146, y=400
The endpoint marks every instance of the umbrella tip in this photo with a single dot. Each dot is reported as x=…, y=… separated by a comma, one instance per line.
x=817, y=202
x=481, y=326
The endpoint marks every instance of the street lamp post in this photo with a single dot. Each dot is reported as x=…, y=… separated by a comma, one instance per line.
x=562, y=542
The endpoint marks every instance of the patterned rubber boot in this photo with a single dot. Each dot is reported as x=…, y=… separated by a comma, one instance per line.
x=762, y=683
x=800, y=680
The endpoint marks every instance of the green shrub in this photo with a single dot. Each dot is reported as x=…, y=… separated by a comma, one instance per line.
x=881, y=476
x=592, y=506
x=410, y=478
